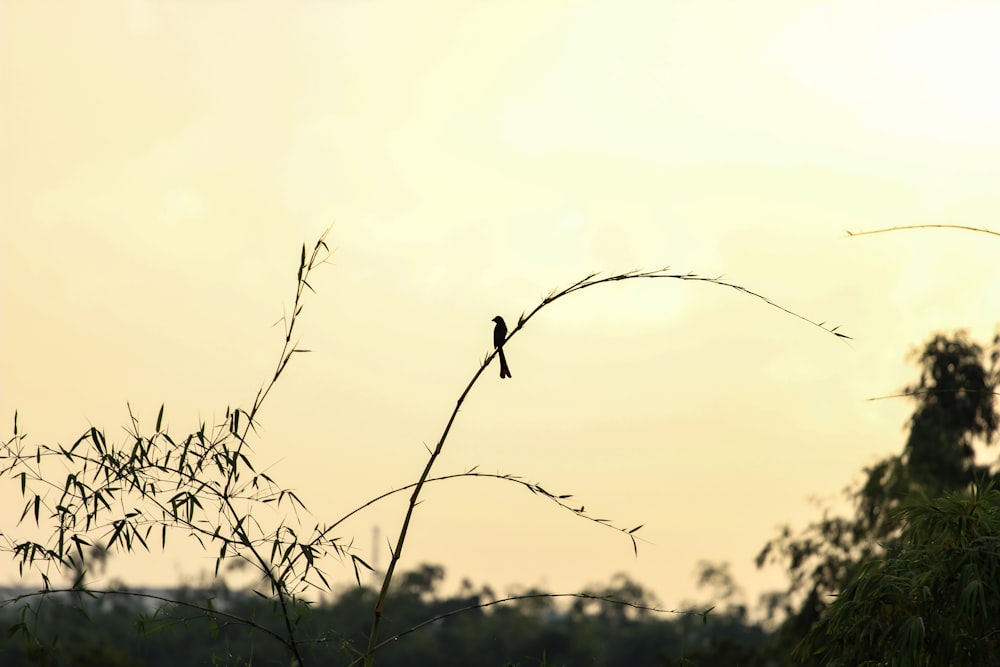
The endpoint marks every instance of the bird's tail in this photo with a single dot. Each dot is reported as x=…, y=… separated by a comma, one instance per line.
x=504, y=370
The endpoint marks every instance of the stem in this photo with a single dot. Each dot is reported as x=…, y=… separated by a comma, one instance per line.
x=383, y=593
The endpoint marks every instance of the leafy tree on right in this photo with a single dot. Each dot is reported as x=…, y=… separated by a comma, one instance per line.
x=916, y=523
x=932, y=599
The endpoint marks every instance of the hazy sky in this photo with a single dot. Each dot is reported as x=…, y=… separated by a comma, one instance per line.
x=161, y=164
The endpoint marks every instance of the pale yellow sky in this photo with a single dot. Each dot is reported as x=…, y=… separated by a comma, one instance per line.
x=161, y=163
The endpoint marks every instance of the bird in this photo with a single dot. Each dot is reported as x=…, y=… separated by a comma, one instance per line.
x=499, y=336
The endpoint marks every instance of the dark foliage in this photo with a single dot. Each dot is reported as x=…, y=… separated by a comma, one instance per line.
x=955, y=410
x=80, y=630
x=934, y=599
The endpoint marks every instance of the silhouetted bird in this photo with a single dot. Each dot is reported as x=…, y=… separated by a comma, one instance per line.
x=499, y=336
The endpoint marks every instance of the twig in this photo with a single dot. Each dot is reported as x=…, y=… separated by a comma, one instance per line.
x=530, y=596
x=984, y=230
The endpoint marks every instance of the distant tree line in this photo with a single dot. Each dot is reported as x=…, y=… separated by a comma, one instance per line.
x=76, y=630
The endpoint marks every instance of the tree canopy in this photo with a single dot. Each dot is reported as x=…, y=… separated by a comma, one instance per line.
x=955, y=417
x=932, y=599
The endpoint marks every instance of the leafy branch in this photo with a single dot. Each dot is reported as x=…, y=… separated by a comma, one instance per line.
x=559, y=499
x=121, y=493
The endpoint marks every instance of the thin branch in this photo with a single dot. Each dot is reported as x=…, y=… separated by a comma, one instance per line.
x=305, y=267
x=287, y=350
x=967, y=228
x=529, y=596
x=534, y=488
x=593, y=280
x=208, y=611
x=925, y=392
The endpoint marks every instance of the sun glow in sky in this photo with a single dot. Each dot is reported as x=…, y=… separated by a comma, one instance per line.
x=162, y=162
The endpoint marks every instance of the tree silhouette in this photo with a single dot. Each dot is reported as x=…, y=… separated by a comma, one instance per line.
x=956, y=406
x=955, y=410
x=933, y=600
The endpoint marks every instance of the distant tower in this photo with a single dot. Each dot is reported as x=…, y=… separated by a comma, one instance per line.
x=376, y=547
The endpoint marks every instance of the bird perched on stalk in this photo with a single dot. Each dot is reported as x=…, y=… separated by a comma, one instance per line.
x=499, y=336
